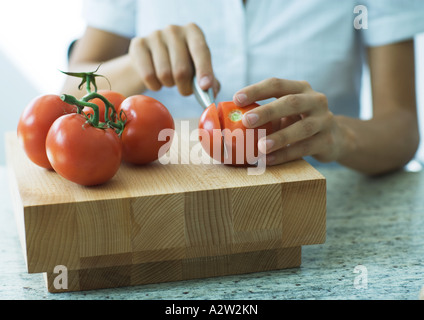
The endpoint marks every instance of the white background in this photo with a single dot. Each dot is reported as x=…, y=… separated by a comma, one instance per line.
x=34, y=38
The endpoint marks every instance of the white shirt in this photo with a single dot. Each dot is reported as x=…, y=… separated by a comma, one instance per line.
x=312, y=40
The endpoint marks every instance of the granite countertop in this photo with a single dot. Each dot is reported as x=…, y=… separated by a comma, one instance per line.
x=374, y=250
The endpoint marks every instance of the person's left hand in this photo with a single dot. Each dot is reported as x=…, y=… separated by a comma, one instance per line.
x=303, y=123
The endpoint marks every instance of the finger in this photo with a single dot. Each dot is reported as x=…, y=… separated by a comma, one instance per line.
x=298, y=131
x=286, y=106
x=200, y=55
x=181, y=63
x=269, y=88
x=287, y=121
x=161, y=59
x=143, y=62
x=307, y=147
x=284, y=122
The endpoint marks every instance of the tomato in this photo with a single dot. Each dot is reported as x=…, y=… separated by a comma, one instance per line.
x=115, y=98
x=224, y=123
x=145, y=119
x=35, y=122
x=82, y=153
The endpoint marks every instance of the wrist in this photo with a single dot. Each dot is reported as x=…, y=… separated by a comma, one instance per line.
x=133, y=82
x=346, y=140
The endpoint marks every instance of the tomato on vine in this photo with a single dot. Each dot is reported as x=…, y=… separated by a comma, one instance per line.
x=85, y=140
x=81, y=152
x=35, y=122
x=115, y=98
x=81, y=148
x=144, y=118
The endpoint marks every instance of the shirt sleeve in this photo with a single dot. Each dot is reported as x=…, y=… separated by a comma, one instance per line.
x=391, y=21
x=113, y=16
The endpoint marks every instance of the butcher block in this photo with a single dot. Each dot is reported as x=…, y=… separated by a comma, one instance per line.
x=170, y=220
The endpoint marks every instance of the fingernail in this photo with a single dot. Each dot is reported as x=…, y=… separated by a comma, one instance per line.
x=205, y=82
x=266, y=145
x=251, y=118
x=241, y=98
x=269, y=144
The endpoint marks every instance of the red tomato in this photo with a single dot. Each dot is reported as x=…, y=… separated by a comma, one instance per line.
x=82, y=153
x=145, y=119
x=35, y=122
x=241, y=143
x=114, y=97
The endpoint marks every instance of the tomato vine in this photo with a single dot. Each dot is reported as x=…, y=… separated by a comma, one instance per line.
x=84, y=140
x=112, y=120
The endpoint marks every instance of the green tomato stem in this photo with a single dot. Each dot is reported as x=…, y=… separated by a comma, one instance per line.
x=110, y=120
x=94, y=121
x=236, y=115
x=108, y=105
x=88, y=78
x=119, y=126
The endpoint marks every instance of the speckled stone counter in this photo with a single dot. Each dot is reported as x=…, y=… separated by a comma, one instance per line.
x=374, y=250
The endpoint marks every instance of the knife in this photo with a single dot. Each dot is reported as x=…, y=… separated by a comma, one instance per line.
x=205, y=99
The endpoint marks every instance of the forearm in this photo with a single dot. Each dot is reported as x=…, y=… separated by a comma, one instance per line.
x=120, y=74
x=389, y=140
x=378, y=145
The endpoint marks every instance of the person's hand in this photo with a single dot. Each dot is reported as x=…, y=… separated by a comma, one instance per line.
x=303, y=124
x=171, y=57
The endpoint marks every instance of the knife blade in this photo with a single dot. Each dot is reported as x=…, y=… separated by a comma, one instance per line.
x=205, y=99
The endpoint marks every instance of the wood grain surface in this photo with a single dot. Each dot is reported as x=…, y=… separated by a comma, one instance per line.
x=171, y=222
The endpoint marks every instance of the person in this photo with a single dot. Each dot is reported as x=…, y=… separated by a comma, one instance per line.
x=302, y=60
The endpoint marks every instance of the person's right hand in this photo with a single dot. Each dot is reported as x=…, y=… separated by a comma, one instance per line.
x=171, y=57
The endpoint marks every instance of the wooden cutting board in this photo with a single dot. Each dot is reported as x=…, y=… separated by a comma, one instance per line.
x=160, y=223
